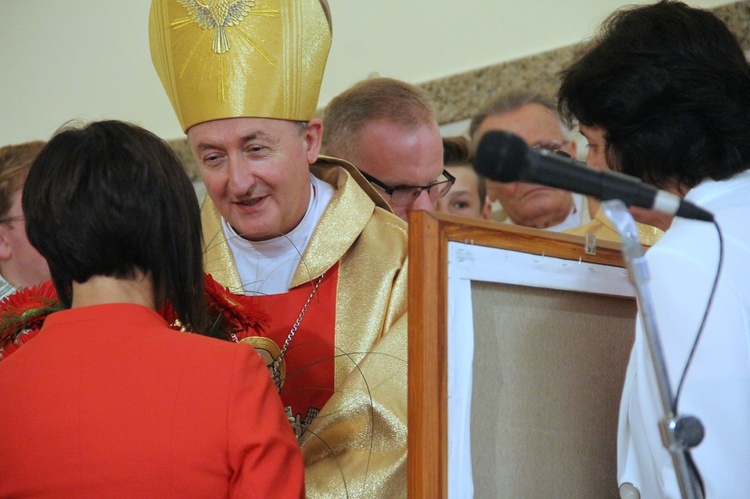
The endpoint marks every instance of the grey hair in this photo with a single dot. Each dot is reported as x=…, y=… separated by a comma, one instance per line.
x=510, y=102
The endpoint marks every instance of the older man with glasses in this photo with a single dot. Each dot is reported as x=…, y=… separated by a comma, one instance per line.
x=534, y=118
x=388, y=129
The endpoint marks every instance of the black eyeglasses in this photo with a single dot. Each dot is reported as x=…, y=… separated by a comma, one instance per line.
x=407, y=194
x=8, y=220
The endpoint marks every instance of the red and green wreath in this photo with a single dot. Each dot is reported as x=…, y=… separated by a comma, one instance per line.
x=22, y=314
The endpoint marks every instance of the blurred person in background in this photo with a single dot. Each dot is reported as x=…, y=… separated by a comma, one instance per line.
x=468, y=195
x=534, y=119
x=21, y=265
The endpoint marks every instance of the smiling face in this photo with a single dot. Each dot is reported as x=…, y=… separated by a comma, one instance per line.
x=463, y=197
x=531, y=205
x=256, y=171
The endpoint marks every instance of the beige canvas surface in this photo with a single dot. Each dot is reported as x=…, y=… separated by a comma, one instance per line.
x=548, y=372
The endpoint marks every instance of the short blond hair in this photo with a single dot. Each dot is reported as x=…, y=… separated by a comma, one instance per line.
x=373, y=99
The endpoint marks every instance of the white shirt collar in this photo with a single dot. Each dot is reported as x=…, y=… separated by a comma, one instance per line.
x=267, y=267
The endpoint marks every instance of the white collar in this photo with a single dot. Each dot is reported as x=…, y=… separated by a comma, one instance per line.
x=267, y=267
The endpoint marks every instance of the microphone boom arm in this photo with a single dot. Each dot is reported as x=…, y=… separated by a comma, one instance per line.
x=678, y=434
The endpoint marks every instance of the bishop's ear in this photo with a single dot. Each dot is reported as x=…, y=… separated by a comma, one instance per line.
x=313, y=139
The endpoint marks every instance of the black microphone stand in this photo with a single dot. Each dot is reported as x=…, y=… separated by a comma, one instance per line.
x=679, y=434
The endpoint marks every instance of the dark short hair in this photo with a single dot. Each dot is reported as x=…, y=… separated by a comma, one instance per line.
x=15, y=161
x=457, y=152
x=373, y=99
x=110, y=198
x=670, y=87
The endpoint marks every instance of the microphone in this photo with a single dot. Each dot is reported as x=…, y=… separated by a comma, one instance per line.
x=504, y=157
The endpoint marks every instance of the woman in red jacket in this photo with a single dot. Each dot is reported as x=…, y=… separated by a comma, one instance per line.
x=108, y=400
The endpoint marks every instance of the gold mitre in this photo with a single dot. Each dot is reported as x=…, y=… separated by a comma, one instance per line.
x=243, y=58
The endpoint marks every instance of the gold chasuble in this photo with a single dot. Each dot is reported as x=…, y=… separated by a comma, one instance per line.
x=348, y=357
x=601, y=227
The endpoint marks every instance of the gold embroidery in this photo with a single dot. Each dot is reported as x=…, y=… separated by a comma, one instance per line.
x=270, y=352
x=222, y=59
x=217, y=15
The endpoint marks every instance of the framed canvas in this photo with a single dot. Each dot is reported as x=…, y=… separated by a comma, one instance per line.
x=518, y=344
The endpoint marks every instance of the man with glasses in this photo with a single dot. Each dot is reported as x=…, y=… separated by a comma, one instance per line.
x=308, y=235
x=21, y=265
x=388, y=129
x=533, y=118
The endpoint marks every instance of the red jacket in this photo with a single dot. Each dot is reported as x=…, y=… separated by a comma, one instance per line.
x=107, y=401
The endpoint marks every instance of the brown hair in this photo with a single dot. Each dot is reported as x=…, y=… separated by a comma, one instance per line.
x=15, y=162
x=510, y=102
x=457, y=152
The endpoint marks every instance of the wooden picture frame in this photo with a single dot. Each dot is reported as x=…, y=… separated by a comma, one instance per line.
x=448, y=256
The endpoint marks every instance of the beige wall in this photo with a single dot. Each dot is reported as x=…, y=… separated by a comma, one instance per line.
x=89, y=59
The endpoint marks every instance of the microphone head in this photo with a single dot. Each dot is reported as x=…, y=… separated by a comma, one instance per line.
x=501, y=156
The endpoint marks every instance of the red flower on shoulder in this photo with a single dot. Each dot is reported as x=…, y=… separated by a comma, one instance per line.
x=11, y=345
x=23, y=312
x=22, y=315
x=231, y=313
x=227, y=313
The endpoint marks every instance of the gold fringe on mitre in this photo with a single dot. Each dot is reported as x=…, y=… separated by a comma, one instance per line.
x=244, y=58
